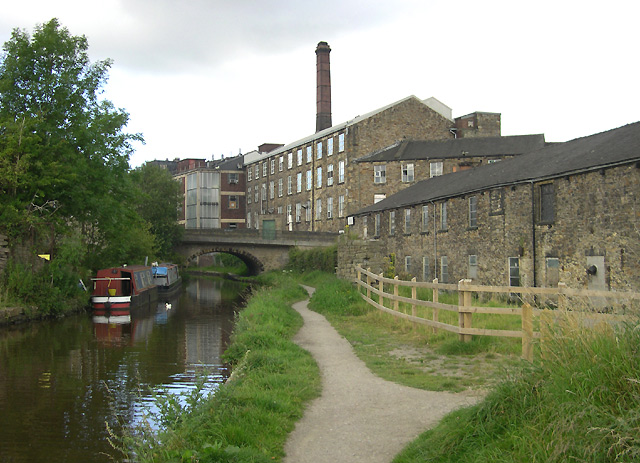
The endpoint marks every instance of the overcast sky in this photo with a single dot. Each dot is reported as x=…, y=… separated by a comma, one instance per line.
x=203, y=78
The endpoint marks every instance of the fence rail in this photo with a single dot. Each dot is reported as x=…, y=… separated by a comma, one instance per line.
x=466, y=310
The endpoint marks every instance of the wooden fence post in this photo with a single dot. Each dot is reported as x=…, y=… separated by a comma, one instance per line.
x=395, y=293
x=381, y=288
x=527, y=332
x=464, y=317
x=436, y=311
x=368, y=283
x=414, y=296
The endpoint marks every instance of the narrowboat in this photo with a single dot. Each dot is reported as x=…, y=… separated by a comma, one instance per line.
x=117, y=290
x=166, y=277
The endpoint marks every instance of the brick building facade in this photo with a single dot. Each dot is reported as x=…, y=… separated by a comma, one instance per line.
x=569, y=212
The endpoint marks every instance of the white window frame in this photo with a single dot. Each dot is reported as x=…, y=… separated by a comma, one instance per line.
x=330, y=175
x=299, y=156
x=330, y=146
x=407, y=264
x=319, y=177
x=392, y=223
x=407, y=221
x=298, y=212
x=264, y=169
x=318, y=209
x=289, y=185
x=407, y=172
x=319, y=150
x=473, y=212
x=425, y=218
x=514, y=271
x=380, y=174
x=341, y=206
x=435, y=169
x=341, y=142
x=280, y=187
x=280, y=163
x=271, y=189
x=273, y=166
x=330, y=207
x=444, y=269
x=289, y=159
x=309, y=180
x=299, y=182
x=443, y=215
x=341, y=172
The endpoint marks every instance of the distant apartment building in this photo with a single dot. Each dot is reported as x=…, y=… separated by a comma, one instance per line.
x=213, y=193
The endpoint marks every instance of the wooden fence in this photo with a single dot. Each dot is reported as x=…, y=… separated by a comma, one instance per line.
x=376, y=284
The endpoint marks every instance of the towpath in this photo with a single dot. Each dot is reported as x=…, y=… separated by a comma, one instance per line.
x=359, y=417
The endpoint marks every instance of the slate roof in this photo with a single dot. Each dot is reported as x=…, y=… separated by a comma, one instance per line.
x=410, y=150
x=234, y=163
x=605, y=149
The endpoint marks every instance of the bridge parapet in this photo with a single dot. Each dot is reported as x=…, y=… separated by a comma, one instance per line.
x=259, y=249
x=252, y=236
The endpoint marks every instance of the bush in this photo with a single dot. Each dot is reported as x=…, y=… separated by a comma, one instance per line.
x=323, y=259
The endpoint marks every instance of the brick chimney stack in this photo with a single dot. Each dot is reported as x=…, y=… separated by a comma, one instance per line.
x=323, y=94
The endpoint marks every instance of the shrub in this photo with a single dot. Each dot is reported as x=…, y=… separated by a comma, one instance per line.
x=323, y=259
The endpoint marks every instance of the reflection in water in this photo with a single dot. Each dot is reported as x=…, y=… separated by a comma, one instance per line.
x=58, y=380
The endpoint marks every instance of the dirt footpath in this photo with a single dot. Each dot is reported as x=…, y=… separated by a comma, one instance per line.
x=359, y=417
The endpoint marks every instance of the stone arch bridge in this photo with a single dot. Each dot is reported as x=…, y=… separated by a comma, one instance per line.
x=260, y=250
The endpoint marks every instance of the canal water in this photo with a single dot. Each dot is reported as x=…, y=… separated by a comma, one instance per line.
x=62, y=382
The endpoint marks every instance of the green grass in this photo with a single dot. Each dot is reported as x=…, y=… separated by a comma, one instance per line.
x=581, y=404
x=250, y=417
x=413, y=355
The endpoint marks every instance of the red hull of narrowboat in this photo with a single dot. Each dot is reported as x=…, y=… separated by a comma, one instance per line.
x=119, y=289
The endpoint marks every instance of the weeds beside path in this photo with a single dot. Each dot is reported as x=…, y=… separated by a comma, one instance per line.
x=359, y=417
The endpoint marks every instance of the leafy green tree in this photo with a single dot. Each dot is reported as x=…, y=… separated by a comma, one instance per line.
x=158, y=203
x=64, y=154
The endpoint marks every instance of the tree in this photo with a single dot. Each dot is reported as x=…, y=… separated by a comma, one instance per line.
x=158, y=203
x=64, y=154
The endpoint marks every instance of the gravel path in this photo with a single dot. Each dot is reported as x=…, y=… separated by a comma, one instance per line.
x=359, y=417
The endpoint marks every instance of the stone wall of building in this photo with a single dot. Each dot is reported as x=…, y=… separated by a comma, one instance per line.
x=595, y=223
x=479, y=124
x=409, y=118
x=353, y=252
x=369, y=189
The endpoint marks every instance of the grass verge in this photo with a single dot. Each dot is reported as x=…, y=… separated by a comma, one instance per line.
x=581, y=404
x=250, y=417
x=413, y=355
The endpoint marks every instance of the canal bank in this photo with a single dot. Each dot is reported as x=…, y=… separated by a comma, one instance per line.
x=17, y=315
x=300, y=394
